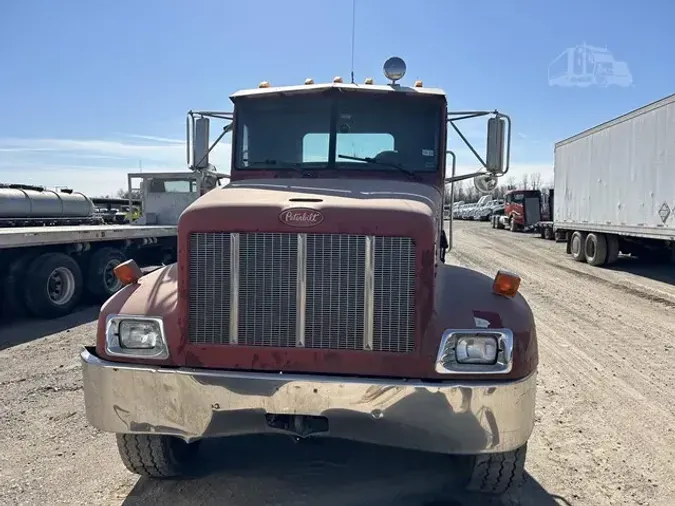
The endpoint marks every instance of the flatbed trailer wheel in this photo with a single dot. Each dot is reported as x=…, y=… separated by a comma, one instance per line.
x=53, y=285
x=156, y=456
x=495, y=473
x=101, y=280
x=14, y=302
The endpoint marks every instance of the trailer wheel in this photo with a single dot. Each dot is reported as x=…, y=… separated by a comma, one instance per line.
x=101, y=280
x=612, y=248
x=497, y=473
x=14, y=304
x=577, y=246
x=156, y=456
x=595, y=249
x=53, y=285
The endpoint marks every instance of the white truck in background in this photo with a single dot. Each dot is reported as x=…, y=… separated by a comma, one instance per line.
x=615, y=188
x=55, y=250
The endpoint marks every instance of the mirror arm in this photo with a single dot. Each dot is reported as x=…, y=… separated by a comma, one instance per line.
x=452, y=197
x=468, y=145
x=466, y=176
x=461, y=115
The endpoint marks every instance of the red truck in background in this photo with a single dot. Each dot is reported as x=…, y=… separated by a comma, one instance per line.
x=522, y=210
x=310, y=297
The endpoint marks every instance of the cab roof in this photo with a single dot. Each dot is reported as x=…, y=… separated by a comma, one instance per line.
x=317, y=88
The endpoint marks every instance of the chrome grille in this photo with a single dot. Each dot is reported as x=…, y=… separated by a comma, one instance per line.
x=326, y=291
x=209, y=288
x=267, y=280
x=394, y=310
x=335, y=292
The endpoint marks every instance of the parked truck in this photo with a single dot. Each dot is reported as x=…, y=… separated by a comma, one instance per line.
x=309, y=297
x=615, y=188
x=522, y=211
x=56, y=249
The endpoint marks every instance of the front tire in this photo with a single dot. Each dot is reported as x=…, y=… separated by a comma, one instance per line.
x=156, y=456
x=496, y=473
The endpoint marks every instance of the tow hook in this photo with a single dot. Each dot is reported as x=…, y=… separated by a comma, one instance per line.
x=299, y=425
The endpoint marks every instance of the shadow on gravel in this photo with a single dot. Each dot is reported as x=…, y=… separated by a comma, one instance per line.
x=265, y=470
x=665, y=273
x=17, y=332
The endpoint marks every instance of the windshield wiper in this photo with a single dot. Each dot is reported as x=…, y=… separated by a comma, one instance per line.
x=368, y=159
x=280, y=164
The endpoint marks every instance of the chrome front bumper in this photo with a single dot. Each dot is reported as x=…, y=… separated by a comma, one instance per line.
x=450, y=417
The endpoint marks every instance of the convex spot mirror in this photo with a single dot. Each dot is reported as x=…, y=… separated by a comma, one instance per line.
x=485, y=183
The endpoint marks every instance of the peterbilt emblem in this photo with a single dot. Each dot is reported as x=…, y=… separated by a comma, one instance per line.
x=301, y=217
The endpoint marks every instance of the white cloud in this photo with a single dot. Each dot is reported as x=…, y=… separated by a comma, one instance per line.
x=95, y=166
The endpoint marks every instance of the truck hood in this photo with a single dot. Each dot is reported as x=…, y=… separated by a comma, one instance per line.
x=377, y=207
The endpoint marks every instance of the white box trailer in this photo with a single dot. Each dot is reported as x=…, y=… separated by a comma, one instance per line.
x=615, y=187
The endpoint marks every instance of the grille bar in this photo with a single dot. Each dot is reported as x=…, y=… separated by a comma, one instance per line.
x=322, y=291
x=301, y=294
x=369, y=294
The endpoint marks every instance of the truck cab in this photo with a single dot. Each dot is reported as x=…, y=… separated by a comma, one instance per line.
x=522, y=209
x=310, y=298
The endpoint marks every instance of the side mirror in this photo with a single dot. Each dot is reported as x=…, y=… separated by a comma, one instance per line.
x=200, y=144
x=496, y=143
x=485, y=183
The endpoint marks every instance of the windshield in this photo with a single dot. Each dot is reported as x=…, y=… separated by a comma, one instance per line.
x=347, y=131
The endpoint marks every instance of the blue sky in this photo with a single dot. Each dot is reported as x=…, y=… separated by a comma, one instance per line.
x=90, y=90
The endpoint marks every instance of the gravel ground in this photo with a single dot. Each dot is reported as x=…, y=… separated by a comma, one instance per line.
x=605, y=432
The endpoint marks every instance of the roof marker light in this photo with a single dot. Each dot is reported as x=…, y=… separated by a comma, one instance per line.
x=337, y=79
x=264, y=84
x=369, y=80
x=309, y=80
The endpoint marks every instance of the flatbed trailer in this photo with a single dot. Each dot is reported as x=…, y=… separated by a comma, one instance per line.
x=22, y=237
x=49, y=265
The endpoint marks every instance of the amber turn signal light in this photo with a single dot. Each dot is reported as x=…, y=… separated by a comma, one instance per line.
x=506, y=284
x=128, y=272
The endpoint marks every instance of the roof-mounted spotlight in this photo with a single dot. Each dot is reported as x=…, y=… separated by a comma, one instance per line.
x=394, y=69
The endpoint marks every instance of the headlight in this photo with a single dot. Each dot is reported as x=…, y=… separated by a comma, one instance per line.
x=136, y=336
x=475, y=351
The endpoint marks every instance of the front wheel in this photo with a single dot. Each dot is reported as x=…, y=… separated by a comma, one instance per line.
x=156, y=456
x=496, y=473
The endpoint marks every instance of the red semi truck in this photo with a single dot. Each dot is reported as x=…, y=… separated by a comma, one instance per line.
x=309, y=297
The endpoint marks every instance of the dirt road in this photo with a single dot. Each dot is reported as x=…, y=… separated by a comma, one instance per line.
x=605, y=431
